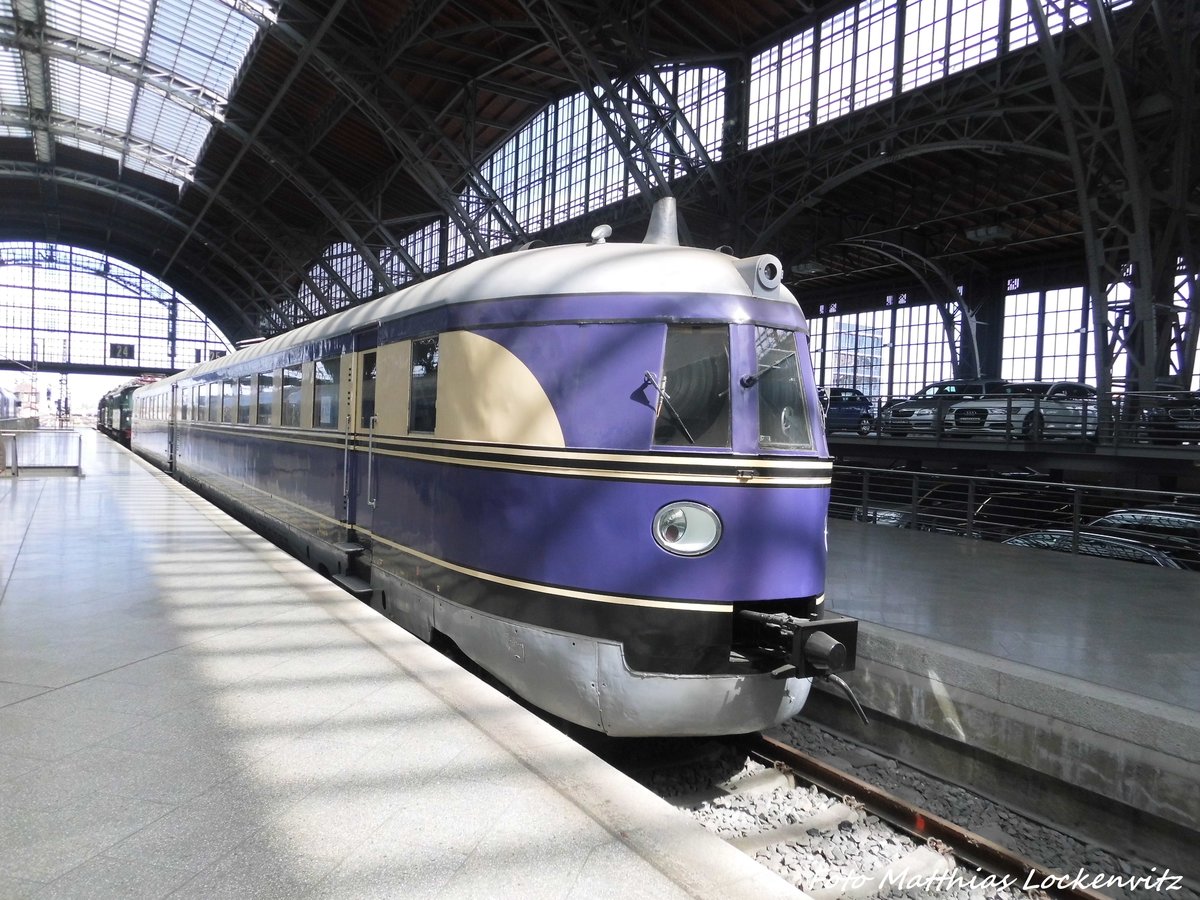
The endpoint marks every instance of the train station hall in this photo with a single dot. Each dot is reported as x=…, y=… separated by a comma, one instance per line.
x=531, y=449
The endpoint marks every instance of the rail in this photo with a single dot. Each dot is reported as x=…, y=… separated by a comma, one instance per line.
x=967, y=846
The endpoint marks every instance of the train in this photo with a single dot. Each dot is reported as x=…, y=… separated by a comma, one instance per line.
x=598, y=470
x=114, y=412
x=9, y=404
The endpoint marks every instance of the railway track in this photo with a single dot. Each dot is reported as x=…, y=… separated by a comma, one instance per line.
x=835, y=835
x=946, y=854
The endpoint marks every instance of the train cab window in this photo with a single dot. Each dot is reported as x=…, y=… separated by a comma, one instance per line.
x=290, y=389
x=782, y=411
x=693, y=400
x=366, y=392
x=265, y=396
x=422, y=406
x=326, y=392
x=229, y=400
x=243, y=399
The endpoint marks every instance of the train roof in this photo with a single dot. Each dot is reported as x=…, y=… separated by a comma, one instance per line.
x=657, y=265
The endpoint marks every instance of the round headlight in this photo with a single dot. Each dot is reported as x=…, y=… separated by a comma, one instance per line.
x=686, y=528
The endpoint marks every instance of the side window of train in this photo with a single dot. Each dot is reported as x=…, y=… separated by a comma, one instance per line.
x=265, y=397
x=782, y=412
x=366, y=392
x=200, y=402
x=185, y=403
x=693, y=404
x=244, y=398
x=229, y=402
x=327, y=387
x=422, y=407
x=291, y=385
x=214, y=401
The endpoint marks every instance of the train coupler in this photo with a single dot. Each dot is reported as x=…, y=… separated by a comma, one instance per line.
x=815, y=648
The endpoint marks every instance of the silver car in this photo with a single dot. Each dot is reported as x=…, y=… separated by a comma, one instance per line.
x=1029, y=410
x=922, y=413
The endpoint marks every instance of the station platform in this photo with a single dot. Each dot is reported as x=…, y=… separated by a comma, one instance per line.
x=187, y=711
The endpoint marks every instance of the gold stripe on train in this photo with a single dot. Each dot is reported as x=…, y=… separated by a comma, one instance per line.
x=548, y=461
x=674, y=605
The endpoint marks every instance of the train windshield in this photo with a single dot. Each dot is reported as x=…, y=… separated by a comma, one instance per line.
x=782, y=418
x=693, y=403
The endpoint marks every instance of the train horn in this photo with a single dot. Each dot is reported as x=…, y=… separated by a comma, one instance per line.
x=664, y=224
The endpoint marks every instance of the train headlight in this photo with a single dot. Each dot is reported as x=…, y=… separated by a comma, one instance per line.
x=686, y=528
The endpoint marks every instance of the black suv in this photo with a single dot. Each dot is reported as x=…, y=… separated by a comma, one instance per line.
x=922, y=413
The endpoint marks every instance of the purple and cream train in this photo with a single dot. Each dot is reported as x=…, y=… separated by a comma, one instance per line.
x=599, y=470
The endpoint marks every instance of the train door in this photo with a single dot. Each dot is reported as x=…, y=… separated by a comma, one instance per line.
x=363, y=423
x=172, y=426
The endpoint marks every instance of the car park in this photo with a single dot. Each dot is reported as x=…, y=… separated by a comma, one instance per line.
x=1030, y=410
x=1090, y=543
x=1172, y=417
x=923, y=412
x=848, y=409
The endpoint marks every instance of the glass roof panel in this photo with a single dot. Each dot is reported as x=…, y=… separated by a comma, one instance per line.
x=12, y=93
x=120, y=24
x=204, y=42
x=89, y=96
x=168, y=125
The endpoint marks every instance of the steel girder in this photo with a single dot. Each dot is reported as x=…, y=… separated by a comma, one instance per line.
x=1134, y=157
x=958, y=319
x=250, y=142
x=632, y=114
x=373, y=95
x=997, y=108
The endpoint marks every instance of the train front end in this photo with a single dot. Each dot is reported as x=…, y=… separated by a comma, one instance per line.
x=675, y=549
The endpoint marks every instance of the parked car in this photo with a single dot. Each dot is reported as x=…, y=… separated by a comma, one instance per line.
x=848, y=409
x=1172, y=417
x=1028, y=409
x=923, y=412
x=1174, y=529
x=1095, y=544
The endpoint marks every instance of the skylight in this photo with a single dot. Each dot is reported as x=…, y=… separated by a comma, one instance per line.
x=12, y=94
x=139, y=81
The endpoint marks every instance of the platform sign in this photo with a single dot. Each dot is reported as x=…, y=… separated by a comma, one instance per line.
x=120, y=351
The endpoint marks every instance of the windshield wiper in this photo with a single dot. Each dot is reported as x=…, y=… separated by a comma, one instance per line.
x=650, y=379
x=748, y=381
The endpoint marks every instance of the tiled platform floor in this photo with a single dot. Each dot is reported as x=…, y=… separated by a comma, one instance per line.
x=185, y=711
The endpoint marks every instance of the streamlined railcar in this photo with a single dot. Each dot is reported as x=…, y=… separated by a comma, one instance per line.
x=599, y=470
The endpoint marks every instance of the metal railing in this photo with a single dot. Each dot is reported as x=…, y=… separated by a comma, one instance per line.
x=1001, y=508
x=42, y=451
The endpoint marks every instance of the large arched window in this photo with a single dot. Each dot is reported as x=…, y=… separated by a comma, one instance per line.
x=65, y=308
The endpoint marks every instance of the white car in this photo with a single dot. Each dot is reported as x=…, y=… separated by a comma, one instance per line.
x=1029, y=410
